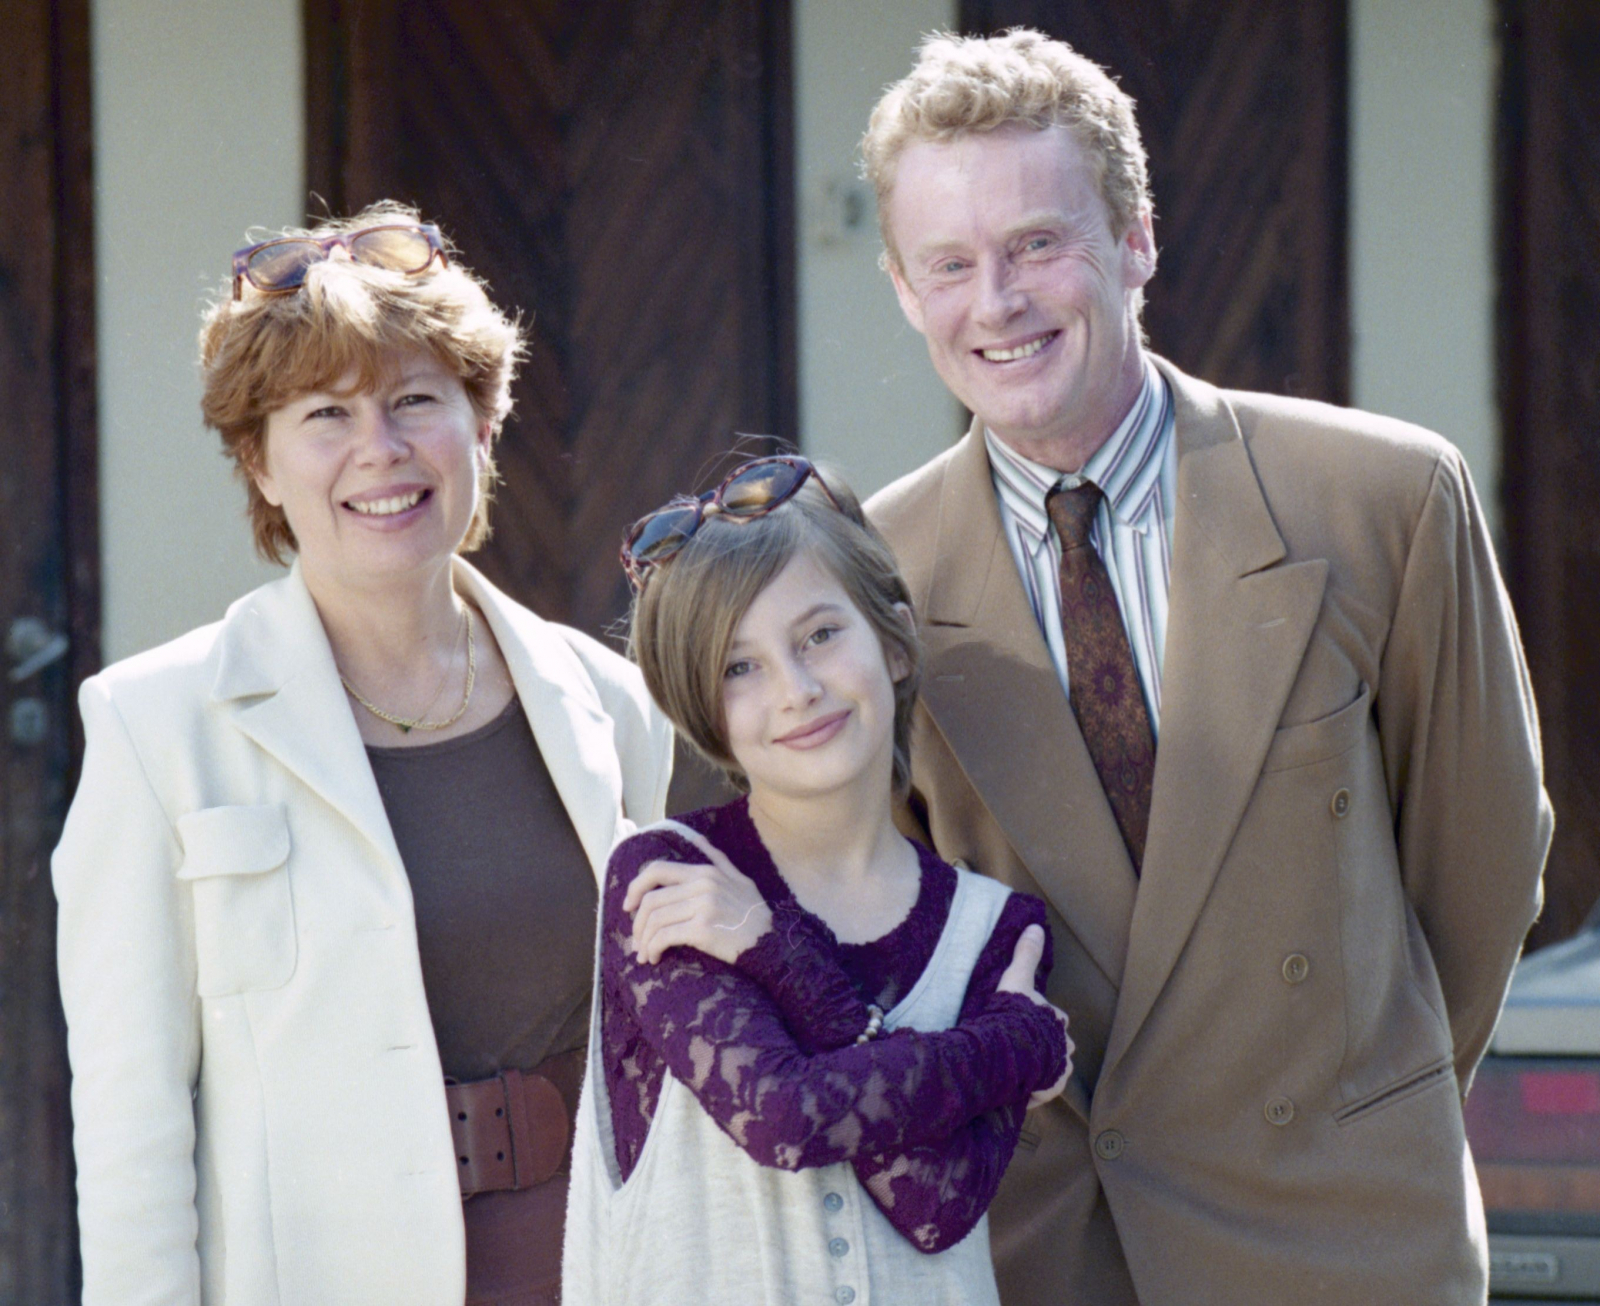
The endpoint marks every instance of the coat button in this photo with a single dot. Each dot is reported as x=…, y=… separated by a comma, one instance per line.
x=844, y=1296
x=1341, y=803
x=1108, y=1145
x=838, y=1247
x=1295, y=968
x=1280, y=1111
x=833, y=1201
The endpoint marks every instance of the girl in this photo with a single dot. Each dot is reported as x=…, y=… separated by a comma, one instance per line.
x=813, y=1041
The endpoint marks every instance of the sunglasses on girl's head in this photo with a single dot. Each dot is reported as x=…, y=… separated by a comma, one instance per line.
x=276, y=266
x=747, y=492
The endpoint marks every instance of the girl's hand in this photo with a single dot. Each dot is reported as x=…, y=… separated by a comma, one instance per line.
x=1018, y=978
x=711, y=906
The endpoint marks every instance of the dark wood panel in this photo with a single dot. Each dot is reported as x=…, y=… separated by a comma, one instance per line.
x=622, y=172
x=48, y=586
x=1242, y=107
x=1549, y=327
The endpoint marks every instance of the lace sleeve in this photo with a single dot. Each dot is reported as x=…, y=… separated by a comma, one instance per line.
x=795, y=964
x=724, y=1038
x=936, y=1193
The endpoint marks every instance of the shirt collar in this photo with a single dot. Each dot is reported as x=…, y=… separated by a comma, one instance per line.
x=1127, y=467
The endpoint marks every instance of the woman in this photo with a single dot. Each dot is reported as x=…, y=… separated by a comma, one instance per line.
x=345, y=843
x=814, y=1041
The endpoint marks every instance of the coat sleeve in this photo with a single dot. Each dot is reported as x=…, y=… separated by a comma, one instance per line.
x=127, y=968
x=1461, y=756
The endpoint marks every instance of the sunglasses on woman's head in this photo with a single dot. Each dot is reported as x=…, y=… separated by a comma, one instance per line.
x=275, y=267
x=747, y=492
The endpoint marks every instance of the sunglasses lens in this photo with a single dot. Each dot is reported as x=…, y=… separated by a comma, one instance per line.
x=400, y=249
x=282, y=265
x=758, y=486
x=662, y=534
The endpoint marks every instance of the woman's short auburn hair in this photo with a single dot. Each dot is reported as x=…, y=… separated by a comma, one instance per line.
x=971, y=84
x=261, y=352
x=684, y=619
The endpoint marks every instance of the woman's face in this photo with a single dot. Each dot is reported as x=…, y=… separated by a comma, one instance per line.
x=377, y=484
x=808, y=690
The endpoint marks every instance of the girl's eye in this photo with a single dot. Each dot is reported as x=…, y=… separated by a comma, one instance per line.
x=821, y=635
x=736, y=669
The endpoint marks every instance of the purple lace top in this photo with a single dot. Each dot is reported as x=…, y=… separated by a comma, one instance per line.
x=928, y=1120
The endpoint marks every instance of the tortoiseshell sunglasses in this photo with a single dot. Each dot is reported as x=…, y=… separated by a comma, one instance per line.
x=275, y=267
x=747, y=492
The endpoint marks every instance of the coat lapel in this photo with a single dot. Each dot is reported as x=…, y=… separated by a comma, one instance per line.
x=1239, y=621
x=993, y=693
x=574, y=734
x=276, y=677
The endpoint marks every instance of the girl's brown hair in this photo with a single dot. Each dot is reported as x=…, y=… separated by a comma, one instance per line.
x=683, y=621
x=260, y=352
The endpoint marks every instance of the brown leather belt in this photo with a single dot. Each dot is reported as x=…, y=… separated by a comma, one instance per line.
x=513, y=1131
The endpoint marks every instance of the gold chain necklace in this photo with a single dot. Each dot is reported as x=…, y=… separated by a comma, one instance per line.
x=406, y=727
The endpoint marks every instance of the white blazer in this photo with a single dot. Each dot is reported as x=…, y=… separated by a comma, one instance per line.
x=258, y=1101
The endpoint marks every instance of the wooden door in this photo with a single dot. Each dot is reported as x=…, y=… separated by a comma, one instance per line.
x=620, y=170
x=1549, y=216
x=1242, y=108
x=49, y=614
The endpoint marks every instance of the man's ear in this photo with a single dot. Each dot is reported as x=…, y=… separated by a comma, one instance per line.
x=1138, y=251
x=910, y=305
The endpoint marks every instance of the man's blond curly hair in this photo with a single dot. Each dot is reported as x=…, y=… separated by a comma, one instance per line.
x=965, y=84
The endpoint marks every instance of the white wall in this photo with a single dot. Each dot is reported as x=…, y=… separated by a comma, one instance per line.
x=869, y=400
x=198, y=135
x=1422, y=221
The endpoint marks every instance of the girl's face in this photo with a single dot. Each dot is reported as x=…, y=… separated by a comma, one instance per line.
x=808, y=690
x=377, y=483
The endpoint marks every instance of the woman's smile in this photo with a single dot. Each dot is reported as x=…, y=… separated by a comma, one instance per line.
x=390, y=508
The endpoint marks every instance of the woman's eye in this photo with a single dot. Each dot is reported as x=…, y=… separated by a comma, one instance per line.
x=951, y=266
x=1037, y=243
x=323, y=414
x=821, y=635
x=412, y=400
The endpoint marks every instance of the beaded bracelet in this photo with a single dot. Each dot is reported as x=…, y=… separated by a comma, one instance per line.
x=874, y=1024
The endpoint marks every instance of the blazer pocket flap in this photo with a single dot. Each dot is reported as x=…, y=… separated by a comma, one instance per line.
x=233, y=841
x=1317, y=741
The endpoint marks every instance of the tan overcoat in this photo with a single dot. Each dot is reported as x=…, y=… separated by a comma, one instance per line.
x=1276, y=1021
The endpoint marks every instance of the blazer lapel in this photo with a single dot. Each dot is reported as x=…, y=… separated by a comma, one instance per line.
x=1239, y=621
x=992, y=691
x=574, y=734
x=276, y=676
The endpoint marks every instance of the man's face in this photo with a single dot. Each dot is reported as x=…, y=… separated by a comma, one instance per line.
x=1008, y=266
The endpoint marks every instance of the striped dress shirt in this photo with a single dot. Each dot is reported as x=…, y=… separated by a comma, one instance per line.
x=1136, y=470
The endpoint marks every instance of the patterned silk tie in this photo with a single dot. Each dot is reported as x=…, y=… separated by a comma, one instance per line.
x=1104, y=684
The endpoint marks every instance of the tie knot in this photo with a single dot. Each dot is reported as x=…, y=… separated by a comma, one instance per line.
x=1072, y=512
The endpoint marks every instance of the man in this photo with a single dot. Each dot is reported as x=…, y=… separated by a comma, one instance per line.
x=1231, y=682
